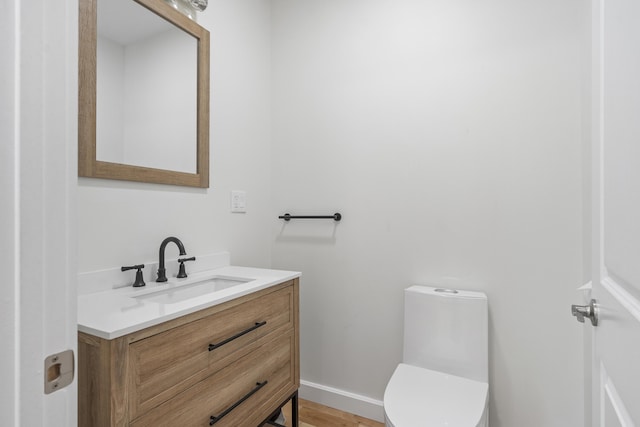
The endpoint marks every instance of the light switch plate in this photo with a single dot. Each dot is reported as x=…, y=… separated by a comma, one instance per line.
x=238, y=201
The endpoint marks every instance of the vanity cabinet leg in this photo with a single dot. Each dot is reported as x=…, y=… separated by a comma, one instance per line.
x=294, y=409
x=294, y=413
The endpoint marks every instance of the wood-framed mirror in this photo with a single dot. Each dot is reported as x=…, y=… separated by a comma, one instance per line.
x=147, y=121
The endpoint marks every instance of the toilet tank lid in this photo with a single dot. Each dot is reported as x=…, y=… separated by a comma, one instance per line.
x=446, y=292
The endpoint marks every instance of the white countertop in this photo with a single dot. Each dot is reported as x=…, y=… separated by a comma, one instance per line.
x=116, y=312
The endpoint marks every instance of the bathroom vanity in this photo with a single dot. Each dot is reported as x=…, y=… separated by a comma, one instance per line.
x=164, y=357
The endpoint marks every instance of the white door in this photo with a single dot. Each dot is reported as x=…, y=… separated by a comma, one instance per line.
x=38, y=122
x=616, y=212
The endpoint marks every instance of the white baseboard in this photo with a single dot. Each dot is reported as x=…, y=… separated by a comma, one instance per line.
x=343, y=400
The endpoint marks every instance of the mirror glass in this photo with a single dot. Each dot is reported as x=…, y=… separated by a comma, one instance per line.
x=146, y=102
x=143, y=93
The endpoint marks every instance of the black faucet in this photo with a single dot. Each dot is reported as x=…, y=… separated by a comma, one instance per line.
x=162, y=272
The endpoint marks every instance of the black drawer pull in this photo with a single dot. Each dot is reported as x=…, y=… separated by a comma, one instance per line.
x=258, y=386
x=238, y=335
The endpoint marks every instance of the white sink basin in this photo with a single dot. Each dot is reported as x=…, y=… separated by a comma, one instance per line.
x=183, y=292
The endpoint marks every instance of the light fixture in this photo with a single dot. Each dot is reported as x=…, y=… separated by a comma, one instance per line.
x=199, y=5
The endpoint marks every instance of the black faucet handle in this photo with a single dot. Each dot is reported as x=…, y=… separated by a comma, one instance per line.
x=139, y=282
x=132, y=267
x=182, y=273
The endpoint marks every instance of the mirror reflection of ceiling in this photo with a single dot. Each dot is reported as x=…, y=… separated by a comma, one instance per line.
x=125, y=21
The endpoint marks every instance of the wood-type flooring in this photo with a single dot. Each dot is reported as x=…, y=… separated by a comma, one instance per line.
x=315, y=415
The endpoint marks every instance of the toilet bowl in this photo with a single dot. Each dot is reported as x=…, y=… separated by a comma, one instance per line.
x=443, y=380
x=421, y=397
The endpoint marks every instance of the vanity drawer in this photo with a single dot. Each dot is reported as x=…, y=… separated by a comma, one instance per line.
x=264, y=377
x=167, y=363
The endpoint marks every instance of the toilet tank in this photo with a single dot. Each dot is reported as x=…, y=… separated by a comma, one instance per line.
x=447, y=330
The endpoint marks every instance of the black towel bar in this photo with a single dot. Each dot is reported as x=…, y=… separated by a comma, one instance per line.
x=287, y=217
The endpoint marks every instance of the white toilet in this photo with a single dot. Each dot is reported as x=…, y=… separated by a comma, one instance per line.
x=443, y=380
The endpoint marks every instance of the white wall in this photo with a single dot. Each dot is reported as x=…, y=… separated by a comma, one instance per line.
x=448, y=134
x=121, y=223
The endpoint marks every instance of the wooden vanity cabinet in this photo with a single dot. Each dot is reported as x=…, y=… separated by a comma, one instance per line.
x=185, y=371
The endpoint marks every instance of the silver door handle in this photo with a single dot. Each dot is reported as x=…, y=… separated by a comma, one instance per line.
x=582, y=311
